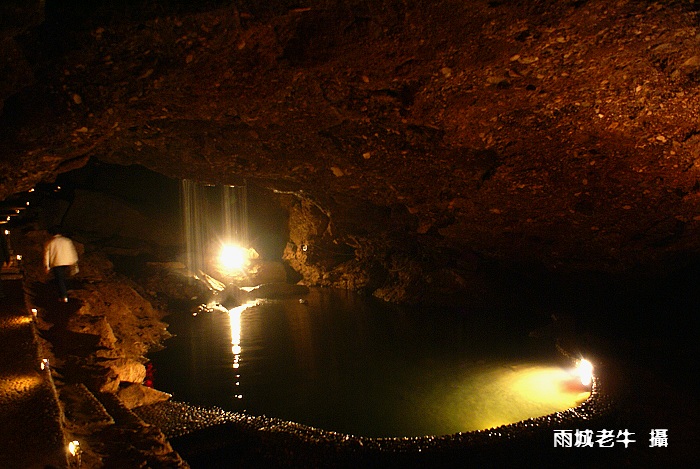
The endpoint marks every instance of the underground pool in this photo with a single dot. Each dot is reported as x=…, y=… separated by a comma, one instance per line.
x=344, y=363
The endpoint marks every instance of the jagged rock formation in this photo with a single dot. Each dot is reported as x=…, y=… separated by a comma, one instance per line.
x=96, y=345
x=413, y=139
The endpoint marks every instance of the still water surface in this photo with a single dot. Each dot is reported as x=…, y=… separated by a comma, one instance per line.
x=350, y=364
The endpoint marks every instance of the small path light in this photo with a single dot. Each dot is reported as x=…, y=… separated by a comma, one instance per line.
x=75, y=453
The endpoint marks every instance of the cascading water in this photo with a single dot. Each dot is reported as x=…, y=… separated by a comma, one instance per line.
x=213, y=216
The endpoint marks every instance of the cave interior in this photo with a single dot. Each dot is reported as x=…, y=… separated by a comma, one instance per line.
x=540, y=155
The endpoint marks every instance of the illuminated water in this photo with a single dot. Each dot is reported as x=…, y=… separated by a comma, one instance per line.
x=348, y=364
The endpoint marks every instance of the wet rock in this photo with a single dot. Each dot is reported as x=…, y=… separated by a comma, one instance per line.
x=104, y=380
x=172, y=281
x=267, y=272
x=229, y=298
x=128, y=370
x=135, y=395
x=277, y=290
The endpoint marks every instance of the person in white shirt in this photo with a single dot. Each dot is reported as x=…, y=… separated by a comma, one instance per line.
x=60, y=256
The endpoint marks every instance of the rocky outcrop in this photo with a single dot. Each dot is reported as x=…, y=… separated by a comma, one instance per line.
x=136, y=395
x=534, y=133
x=97, y=345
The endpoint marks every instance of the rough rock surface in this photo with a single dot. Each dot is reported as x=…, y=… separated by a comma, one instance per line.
x=136, y=395
x=413, y=144
x=96, y=345
x=556, y=134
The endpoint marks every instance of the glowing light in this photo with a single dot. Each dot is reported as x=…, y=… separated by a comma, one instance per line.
x=75, y=452
x=211, y=215
x=19, y=257
x=44, y=363
x=584, y=368
x=233, y=258
x=501, y=395
x=548, y=386
x=7, y=232
x=74, y=447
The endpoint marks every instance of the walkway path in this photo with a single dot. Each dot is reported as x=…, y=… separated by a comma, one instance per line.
x=31, y=435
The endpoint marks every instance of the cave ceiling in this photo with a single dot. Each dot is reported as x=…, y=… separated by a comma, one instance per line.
x=563, y=133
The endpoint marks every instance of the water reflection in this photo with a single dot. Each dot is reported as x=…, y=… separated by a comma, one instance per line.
x=498, y=395
x=352, y=365
x=303, y=340
x=234, y=315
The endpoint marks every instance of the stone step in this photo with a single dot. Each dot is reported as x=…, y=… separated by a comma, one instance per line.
x=81, y=407
x=135, y=443
x=121, y=414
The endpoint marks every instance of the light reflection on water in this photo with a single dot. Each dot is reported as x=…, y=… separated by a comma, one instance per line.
x=348, y=364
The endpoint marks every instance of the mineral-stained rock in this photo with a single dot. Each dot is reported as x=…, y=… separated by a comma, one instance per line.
x=267, y=272
x=529, y=132
x=95, y=326
x=128, y=370
x=277, y=290
x=135, y=395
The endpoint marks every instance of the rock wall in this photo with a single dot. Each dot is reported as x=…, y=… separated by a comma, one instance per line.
x=560, y=135
x=96, y=346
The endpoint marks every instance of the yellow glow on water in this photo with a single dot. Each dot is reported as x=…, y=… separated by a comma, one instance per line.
x=489, y=395
x=529, y=391
x=548, y=386
x=234, y=315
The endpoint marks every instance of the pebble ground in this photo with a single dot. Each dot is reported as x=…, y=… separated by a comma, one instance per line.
x=31, y=434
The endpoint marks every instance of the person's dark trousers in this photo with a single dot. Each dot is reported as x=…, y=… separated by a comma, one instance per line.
x=60, y=272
